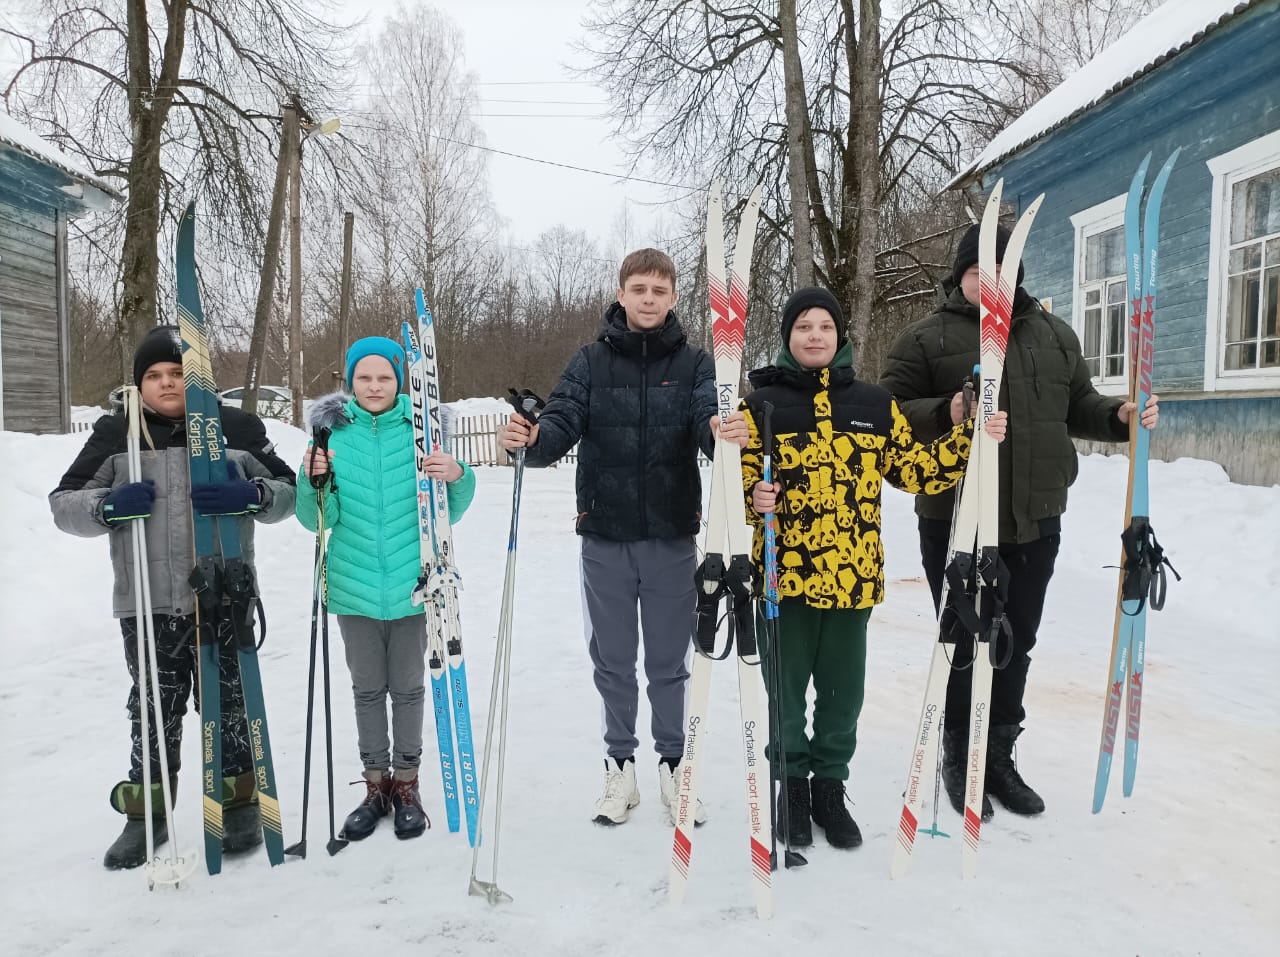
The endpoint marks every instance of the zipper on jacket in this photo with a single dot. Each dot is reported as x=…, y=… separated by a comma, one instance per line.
x=644, y=433
x=1035, y=371
x=382, y=536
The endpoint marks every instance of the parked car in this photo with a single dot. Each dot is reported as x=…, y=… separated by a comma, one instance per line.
x=274, y=401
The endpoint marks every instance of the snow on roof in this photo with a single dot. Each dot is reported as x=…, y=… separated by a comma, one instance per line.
x=13, y=133
x=1155, y=38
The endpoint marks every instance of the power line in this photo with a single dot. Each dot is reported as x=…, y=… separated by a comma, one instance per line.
x=547, y=162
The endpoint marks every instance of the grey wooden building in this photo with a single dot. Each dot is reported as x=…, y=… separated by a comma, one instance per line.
x=41, y=189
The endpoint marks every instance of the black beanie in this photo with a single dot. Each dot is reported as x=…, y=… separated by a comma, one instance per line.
x=967, y=253
x=811, y=297
x=161, y=344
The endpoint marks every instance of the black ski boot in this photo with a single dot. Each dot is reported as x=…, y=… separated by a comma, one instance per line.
x=130, y=849
x=797, y=828
x=830, y=813
x=411, y=819
x=1003, y=780
x=955, y=751
x=377, y=802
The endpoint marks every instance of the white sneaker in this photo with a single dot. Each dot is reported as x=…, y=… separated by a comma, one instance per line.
x=620, y=793
x=668, y=788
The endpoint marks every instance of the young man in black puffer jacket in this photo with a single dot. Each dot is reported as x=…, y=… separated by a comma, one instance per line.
x=641, y=402
x=1050, y=399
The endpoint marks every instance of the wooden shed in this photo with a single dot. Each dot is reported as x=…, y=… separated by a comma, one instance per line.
x=41, y=189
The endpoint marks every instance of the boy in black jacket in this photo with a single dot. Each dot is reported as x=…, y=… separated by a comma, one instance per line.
x=641, y=400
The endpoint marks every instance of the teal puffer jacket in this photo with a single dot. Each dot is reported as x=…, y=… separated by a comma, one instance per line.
x=372, y=512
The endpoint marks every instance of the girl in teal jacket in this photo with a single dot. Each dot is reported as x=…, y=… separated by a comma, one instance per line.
x=371, y=512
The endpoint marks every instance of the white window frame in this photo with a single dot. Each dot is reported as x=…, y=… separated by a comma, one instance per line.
x=1104, y=216
x=1227, y=169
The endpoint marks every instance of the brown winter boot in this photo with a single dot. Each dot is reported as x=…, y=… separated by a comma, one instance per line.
x=377, y=802
x=411, y=819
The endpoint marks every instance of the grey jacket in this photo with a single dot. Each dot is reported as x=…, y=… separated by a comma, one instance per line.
x=103, y=465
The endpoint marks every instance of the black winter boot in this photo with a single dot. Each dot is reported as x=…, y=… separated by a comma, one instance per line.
x=830, y=813
x=955, y=751
x=1003, y=780
x=377, y=802
x=130, y=848
x=796, y=829
x=411, y=819
x=241, y=814
x=241, y=828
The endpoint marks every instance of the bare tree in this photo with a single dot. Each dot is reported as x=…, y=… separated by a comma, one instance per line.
x=174, y=101
x=890, y=107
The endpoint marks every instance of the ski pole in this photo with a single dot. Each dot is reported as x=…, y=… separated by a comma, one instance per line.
x=790, y=858
x=527, y=406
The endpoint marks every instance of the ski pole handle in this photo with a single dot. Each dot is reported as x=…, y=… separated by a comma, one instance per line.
x=528, y=405
x=320, y=444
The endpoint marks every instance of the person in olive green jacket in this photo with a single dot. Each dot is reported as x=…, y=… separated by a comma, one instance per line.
x=1050, y=399
x=373, y=565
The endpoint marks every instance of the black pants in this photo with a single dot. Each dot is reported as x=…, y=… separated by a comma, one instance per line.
x=1030, y=569
x=176, y=658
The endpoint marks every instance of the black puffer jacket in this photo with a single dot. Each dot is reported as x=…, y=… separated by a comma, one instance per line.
x=1046, y=391
x=640, y=404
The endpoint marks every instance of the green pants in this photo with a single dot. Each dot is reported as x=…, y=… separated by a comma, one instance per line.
x=828, y=646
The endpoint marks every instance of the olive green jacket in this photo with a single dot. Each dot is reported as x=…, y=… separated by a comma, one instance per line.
x=1046, y=390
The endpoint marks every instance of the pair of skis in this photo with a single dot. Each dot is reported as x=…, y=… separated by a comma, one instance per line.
x=1142, y=578
x=725, y=576
x=226, y=599
x=973, y=553
x=439, y=582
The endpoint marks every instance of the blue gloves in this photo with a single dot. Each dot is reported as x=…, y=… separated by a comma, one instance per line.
x=129, y=501
x=235, y=496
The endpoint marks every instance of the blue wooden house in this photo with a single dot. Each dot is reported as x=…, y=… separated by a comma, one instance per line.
x=41, y=189
x=1203, y=75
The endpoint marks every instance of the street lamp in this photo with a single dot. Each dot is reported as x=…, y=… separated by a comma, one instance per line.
x=295, y=250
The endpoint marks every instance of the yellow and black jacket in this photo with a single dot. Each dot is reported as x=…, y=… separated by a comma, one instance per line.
x=835, y=441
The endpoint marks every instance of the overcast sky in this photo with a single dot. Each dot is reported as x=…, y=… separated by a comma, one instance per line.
x=521, y=50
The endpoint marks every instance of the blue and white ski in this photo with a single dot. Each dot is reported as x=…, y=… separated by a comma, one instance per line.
x=1142, y=578
x=440, y=582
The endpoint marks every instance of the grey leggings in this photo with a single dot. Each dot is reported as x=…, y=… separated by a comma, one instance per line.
x=387, y=657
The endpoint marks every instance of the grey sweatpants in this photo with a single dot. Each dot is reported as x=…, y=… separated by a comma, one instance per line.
x=655, y=576
x=387, y=657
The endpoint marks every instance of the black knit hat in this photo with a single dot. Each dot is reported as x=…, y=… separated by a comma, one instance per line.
x=161, y=344
x=812, y=297
x=967, y=253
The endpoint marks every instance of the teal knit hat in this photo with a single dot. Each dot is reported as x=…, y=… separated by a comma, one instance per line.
x=389, y=349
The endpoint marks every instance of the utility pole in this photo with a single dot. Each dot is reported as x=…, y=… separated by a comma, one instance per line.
x=344, y=302
x=270, y=261
x=296, y=385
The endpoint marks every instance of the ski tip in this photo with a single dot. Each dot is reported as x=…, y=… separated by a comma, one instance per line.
x=994, y=200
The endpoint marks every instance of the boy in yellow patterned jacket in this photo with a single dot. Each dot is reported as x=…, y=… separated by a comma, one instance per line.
x=836, y=440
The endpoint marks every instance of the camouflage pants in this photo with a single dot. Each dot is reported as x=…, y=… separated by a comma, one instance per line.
x=176, y=660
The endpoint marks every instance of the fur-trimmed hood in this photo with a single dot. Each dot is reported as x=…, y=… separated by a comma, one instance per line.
x=328, y=412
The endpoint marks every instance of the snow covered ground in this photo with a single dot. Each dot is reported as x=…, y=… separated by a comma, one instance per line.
x=1190, y=865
